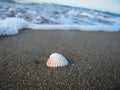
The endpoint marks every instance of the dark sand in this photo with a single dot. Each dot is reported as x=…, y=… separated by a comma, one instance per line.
x=94, y=61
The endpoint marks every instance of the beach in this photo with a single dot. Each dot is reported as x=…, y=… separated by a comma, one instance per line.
x=94, y=60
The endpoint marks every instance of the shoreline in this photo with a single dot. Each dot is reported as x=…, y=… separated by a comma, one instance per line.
x=94, y=60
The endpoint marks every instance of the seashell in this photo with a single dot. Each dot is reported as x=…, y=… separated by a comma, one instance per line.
x=56, y=60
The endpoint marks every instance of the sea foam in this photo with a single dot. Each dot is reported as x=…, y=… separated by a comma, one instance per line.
x=11, y=26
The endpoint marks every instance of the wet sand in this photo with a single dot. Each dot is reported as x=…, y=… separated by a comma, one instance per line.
x=94, y=59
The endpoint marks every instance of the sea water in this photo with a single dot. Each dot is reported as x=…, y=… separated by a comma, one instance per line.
x=15, y=16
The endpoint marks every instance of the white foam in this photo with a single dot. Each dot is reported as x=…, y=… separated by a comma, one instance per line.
x=87, y=15
x=11, y=26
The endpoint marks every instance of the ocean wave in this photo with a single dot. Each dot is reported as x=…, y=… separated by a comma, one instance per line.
x=51, y=16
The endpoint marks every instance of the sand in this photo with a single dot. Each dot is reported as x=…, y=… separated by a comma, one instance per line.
x=94, y=59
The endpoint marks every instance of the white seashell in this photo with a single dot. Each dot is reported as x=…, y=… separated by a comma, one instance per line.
x=56, y=60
